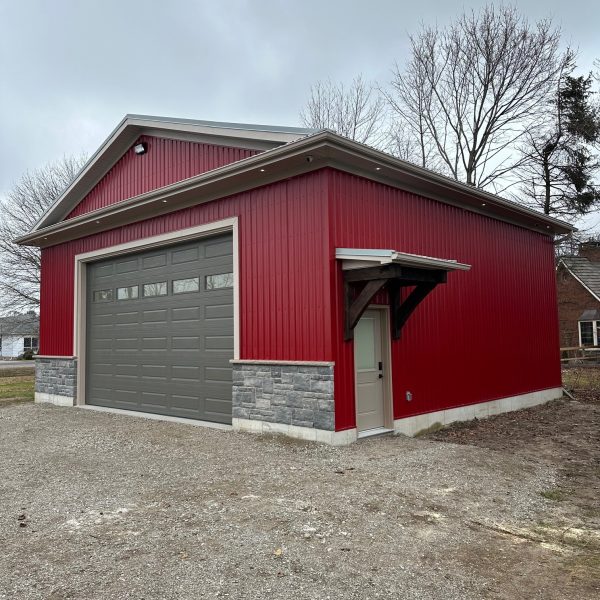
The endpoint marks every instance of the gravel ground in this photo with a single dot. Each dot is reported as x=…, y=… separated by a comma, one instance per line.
x=97, y=505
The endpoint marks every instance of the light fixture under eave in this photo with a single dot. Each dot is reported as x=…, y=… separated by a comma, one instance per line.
x=164, y=201
x=262, y=170
x=378, y=168
x=483, y=204
x=141, y=148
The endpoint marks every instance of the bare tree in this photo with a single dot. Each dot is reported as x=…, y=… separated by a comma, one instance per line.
x=21, y=209
x=471, y=91
x=357, y=112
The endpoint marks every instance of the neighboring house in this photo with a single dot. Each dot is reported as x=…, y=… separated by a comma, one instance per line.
x=578, y=290
x=292, y=281
x=18, y=335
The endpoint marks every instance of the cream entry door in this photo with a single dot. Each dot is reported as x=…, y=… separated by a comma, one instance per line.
x=369, y=371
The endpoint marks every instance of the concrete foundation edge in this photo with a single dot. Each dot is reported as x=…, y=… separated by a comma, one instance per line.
x=411, y=426
x=54, y=399
x=333, y=438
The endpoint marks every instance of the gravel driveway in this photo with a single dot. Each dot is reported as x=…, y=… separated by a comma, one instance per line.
x=97, y=505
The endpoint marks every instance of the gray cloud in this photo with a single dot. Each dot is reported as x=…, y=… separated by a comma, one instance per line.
x=70, y=70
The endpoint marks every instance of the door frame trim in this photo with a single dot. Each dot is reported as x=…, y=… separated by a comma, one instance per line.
x=165, y=239
x=386, y=354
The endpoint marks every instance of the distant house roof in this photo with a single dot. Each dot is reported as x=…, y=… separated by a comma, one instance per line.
x=27, y=324
x=585, y=271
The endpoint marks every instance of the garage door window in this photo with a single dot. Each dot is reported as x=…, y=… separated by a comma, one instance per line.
x=103, y=295
x=222, y=280
x=155, y=289
x=127, y=293
x=181, y=286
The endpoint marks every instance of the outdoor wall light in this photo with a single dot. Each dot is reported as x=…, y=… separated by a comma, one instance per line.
x=141, y=148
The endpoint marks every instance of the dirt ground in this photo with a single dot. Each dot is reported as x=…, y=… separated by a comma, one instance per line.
x=564, y=435
x=96, y=505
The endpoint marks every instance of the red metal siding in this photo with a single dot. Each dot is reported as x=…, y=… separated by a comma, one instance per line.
x=285, y=290
x=166, y=161
x=488, y=333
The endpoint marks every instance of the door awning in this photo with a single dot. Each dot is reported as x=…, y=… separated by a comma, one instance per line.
x=372, y=270
x=359, y=258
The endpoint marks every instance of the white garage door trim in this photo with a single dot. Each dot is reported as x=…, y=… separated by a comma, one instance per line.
x=166, y=239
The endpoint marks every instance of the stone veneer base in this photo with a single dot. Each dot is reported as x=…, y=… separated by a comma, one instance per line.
x=56, y=380
x=291, y=394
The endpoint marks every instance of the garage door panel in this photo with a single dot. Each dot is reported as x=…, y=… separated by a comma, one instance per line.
x=187, y=404
x=186, y=314
x=163, y=353
x=126, y=318
x=155, y=315
x=153, y=398
x=217, y=249
x=126, y=266
x=216, y=406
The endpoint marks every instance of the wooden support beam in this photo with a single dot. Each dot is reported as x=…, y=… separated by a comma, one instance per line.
x=355, y=308
x=402, y=311
x=407, y=275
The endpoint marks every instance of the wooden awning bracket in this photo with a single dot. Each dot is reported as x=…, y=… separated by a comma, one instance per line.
x=394, y=277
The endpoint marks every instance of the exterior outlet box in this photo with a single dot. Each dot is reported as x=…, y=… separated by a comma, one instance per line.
x=408, y=396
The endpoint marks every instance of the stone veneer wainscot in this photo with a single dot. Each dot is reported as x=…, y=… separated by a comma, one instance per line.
x=299, y=395
x=56, y=379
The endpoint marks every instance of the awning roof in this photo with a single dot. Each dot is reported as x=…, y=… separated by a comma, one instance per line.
x=357, y=258
x=592, y=314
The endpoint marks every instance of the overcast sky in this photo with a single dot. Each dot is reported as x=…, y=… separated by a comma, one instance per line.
x=70, y=70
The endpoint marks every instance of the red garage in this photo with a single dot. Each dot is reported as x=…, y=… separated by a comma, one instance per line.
x=286, y=280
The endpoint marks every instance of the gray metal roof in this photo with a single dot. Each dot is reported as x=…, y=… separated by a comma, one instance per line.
x=27, y=324
x=224, y=124
x=590, y=315
x=586, y=271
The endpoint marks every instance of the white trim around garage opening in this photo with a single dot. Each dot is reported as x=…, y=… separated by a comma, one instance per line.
x=166, y=239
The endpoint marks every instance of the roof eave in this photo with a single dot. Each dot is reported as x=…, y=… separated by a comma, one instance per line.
x=310, y=153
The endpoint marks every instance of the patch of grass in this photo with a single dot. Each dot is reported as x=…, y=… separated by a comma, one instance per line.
x=16, y=372
x=18, y=388
x=587, y=378
x=555, y=494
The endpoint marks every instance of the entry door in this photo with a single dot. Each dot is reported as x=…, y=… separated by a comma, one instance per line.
x=368, y=363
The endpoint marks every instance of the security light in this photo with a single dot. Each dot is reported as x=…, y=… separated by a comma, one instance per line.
x=141, y=148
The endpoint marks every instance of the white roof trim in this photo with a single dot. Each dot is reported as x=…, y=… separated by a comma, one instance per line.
x=357, y=258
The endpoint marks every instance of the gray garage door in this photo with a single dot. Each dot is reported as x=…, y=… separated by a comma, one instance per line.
x=160, y=331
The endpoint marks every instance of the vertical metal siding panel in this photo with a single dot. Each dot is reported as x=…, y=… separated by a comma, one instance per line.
x=486, y=334
x=166, y=161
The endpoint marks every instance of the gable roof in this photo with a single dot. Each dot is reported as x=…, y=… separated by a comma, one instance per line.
x=303, y=152
x=241, y=135
x=585, y=271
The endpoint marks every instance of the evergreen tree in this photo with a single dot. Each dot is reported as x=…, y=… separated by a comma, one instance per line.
x=560, y=158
